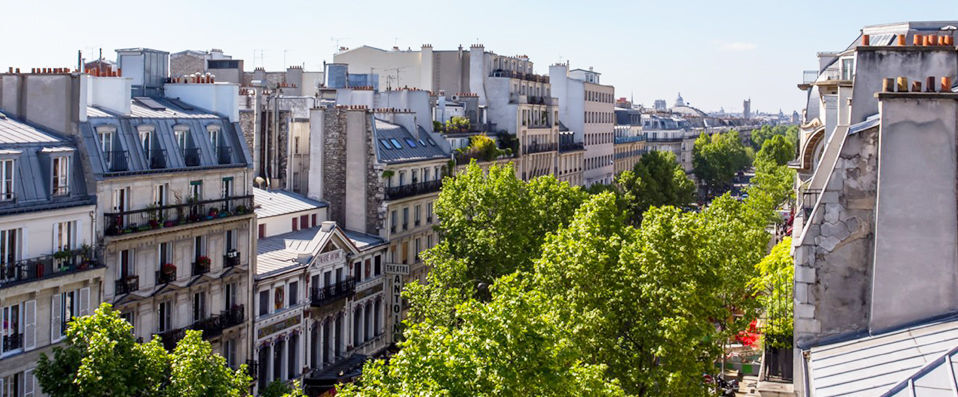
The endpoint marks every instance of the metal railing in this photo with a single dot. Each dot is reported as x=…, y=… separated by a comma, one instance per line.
x=414, y=189
x=466, y=156
x=568, y=147
x=165, y=277
x=46, y=266
x=211, y=326
x=116, y=160
x=200, y=268
x=157, y=159
x=320, y=296
x=231, y=258
x=127, y=284
x=539, y=148
x=629, y=139
x=191, y=156
x=224, y=155
x=157, y=217
x=519, y=75
x=809, y=197
x=12, y=342
x=809, y=76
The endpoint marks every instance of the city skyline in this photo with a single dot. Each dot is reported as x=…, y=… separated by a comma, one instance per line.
x=716, y=57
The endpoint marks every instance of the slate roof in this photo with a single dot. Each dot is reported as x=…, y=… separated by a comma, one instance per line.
x=879, y=364
x=14, y=132
x=290, y=251
x=411, y=148
x=278, y=202
x=171, y=109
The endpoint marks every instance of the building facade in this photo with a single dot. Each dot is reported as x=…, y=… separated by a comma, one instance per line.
x=587, y=108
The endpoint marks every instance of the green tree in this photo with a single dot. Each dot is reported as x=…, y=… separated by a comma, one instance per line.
x=278, y=388
x=656, y=180
x=510, y=345
x=197, y=372
x=777, y=150
x=774, y=285
x=102, y=358
x=716, y=159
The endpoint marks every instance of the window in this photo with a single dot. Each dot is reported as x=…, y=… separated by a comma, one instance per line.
x=65, y=233
x=126, y=267
x=314, y=220
x=293, y=349
x=196, y=189
x=379, y=265
x=230, y=240
x=146, y=138
x=227, y=190
x=410, y=142
x=304, y=221
x=12, y=333
x=130, y=317
x=402, y=178
x=69, y=308
x=293, y=293
x=165, y=320
x=264, y=302
x=393, y=221
x=418, y=248
x=9, y=247
x=199, y=306
x=182, y=137
x=848, y=68
x=425, y=174
x=6, y=185
x=295, y=222
x=395, y=143
x=159, y=194
x=164, y=251
x=229, y=298
x=214, y=132
x=104, y=137
x=416, y=214
x=358, y=271
x=261, y=232
x=278, y=299
x=296, y=145
x=369, y=268
x=229, y=352
x=429, y=212
x=385, y=144
x=405, y=218
x=429, y=241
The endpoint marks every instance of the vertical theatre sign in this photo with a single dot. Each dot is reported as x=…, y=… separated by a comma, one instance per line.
x=396, y=273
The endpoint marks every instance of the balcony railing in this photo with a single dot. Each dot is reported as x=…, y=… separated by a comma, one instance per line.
x=321, y=296
x=165, y=277
x=809, y=76
x=157, y=159
x=200, y=268
x=231, y=259
x=191, y=156
x=211, y=326
x=568, y=147
x=519, y=75
x=127, y=284
x=116, y=160
x=539, y=148
x=12, y=342
x=224, y=155
x=465, y=157
x=414, y=189
x=629, y=139
x=124, y=222
x=47, y=266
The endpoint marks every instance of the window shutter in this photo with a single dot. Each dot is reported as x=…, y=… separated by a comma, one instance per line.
x=55, y=333
x=84, y=301
x=30, y=325
x=28, y=383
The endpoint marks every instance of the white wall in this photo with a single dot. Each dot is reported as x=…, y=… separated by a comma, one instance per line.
x=220, y=98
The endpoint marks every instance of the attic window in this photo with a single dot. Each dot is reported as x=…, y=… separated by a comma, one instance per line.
x=421, y=143
x=385, y=144
x=395, y=143
x=431, y=143
x=410, y=142
x=149, y=102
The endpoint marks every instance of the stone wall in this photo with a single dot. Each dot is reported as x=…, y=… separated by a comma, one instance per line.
x=334, y=163
x=375, y=189
x=833, y=262
x=183, y=64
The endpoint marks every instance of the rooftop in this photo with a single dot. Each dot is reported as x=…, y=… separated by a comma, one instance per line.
x=15, y=132
x=279, y=202
x=289, y=251
x=395, y=144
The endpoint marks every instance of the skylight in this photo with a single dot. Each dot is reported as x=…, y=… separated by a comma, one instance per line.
x=431, y=141
x=410, y=142
x=395, y=143
x=421, y=143
x=385, y=144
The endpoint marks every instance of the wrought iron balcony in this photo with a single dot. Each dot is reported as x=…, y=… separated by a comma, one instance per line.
x=191, y=156
x=127, y=284
x=321, y=296
x=568, y=147
x=12, y=342
x=539, y=148
x=224, y=155
x=201, y=267
x=163, y=277
x=231, y=259
x=116, y=160
x=157, y=217
x=47, y=266
x=415, y=189
x=211, y=326
x=157, y=159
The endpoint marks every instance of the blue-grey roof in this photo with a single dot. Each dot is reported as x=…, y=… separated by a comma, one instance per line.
x=32, y=149
x=163, y=114
x=363, y=241
x=411, y=148
x=870, y=121
x=877, y=365
x=289, y=251
x=278, y=202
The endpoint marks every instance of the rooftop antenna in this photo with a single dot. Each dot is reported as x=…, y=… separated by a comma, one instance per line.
x=337, y=40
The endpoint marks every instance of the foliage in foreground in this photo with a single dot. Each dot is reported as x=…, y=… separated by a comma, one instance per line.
x=656, y=180
x=102, y=358
x=774, y=287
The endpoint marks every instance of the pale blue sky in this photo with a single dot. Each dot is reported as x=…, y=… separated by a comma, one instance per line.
x=716, y=53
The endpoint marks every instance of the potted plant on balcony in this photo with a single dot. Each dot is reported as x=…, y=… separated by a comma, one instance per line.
x=241, y=209
x=86, y=256
x=61, y=257
x=168, y=269
x=203, y=263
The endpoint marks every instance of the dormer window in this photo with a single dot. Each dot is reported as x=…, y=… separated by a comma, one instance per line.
x=7, y=171
x=104, y=137
x=214, y=132
x=61, y=176
x=848, y=68
x=146, y=138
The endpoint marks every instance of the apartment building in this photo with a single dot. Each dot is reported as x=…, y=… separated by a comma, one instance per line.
x=50, y=271
x=875, y=231
x=172, y=181
x=319, y=292
x=629, y=141
x=587, y=107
